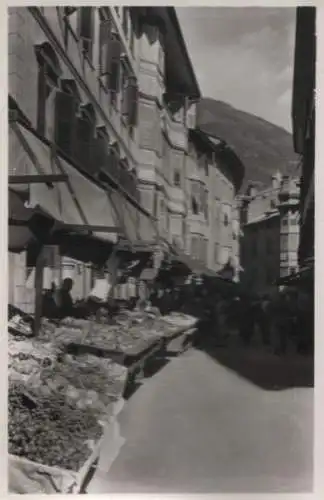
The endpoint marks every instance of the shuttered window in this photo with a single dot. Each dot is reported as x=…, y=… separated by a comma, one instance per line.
x=86, y=30
x=105, y=37
x=65, y=122
x=84, y=143
x=48, y=77
x=132, y=102
x=113, y=64
x=101, y=151
x=147, y=119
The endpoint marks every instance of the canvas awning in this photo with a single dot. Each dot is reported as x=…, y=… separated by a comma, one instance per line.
x=78, y=201
x=18, y=235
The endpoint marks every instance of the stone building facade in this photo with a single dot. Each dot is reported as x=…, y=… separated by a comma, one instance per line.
x=213, y=179
x=270, y=226
x=106, y=96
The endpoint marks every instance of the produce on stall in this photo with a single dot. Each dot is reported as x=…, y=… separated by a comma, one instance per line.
x=49, y=431
x=84, y=380
x=27, y=356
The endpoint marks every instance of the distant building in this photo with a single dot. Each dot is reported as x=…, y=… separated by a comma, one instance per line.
x=213, y=177
x=270, y=226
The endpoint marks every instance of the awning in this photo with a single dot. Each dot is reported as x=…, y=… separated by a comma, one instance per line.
x=69, y=202
x=18, y=235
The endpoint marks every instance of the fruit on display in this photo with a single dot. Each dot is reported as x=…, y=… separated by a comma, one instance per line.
x=50, y=432
x=27, y=357
x=64, y=335
x=86, y=380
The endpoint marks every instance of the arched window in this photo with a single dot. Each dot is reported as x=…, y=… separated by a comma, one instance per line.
x=49, y=72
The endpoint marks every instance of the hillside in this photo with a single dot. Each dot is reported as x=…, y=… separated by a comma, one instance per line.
x=264, y=148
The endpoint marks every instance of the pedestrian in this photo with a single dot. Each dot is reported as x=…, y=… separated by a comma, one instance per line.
x=264, y=320
x=247, y=320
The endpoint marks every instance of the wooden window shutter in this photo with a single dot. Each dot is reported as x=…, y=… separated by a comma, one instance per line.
x=113, y=55
x=104, y=41
x=65, y=120
x=85, y=30
x=132, y=101
x=124, y=88
x=84, y=143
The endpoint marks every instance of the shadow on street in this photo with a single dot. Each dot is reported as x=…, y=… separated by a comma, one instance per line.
x=263, y=368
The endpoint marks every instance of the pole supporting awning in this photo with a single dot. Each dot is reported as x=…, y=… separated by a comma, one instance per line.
x=92, y=228
x=40, y=178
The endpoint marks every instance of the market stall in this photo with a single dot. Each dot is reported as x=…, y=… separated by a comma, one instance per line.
x=60, y=410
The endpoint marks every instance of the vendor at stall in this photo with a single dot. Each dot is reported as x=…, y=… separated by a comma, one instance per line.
x=63, y=299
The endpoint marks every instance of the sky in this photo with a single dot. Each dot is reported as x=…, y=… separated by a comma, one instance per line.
x=243, y=56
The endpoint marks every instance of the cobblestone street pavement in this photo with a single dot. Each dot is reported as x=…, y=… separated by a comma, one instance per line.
x=198, y=427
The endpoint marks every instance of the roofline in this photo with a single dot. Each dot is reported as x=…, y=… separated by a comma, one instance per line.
x=224, y=149
x=262, y=219
x=175, y=21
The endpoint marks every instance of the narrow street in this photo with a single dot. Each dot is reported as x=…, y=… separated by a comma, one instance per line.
x=198, y=427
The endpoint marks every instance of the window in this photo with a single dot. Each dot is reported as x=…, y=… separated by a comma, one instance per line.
x=216, y=251
x=86, y=30
x=285, y=221
x=294, y=219
x=284, y=242
x=125, y=20
x=65, y=122
x=194, y=206
x=177, y=178
x=194, y=246
x=85, y=138
x=206, y=206
x=195, y=197
x=105, y=36
x=48, y=81
x=226, y=220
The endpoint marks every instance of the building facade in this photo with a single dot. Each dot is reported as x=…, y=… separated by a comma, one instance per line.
x=73, y=101
x=270, y=226
x=213, y=178
x=303, y=120
x=102, y=105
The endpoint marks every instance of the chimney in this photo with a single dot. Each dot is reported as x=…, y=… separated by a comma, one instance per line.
x=251, y=190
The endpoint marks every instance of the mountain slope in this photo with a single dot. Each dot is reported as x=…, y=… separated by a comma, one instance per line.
x=264, y=148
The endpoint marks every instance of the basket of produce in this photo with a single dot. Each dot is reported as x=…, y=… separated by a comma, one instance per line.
x=50, y=433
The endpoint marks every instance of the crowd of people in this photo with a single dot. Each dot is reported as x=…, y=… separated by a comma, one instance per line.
x=280, y=321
